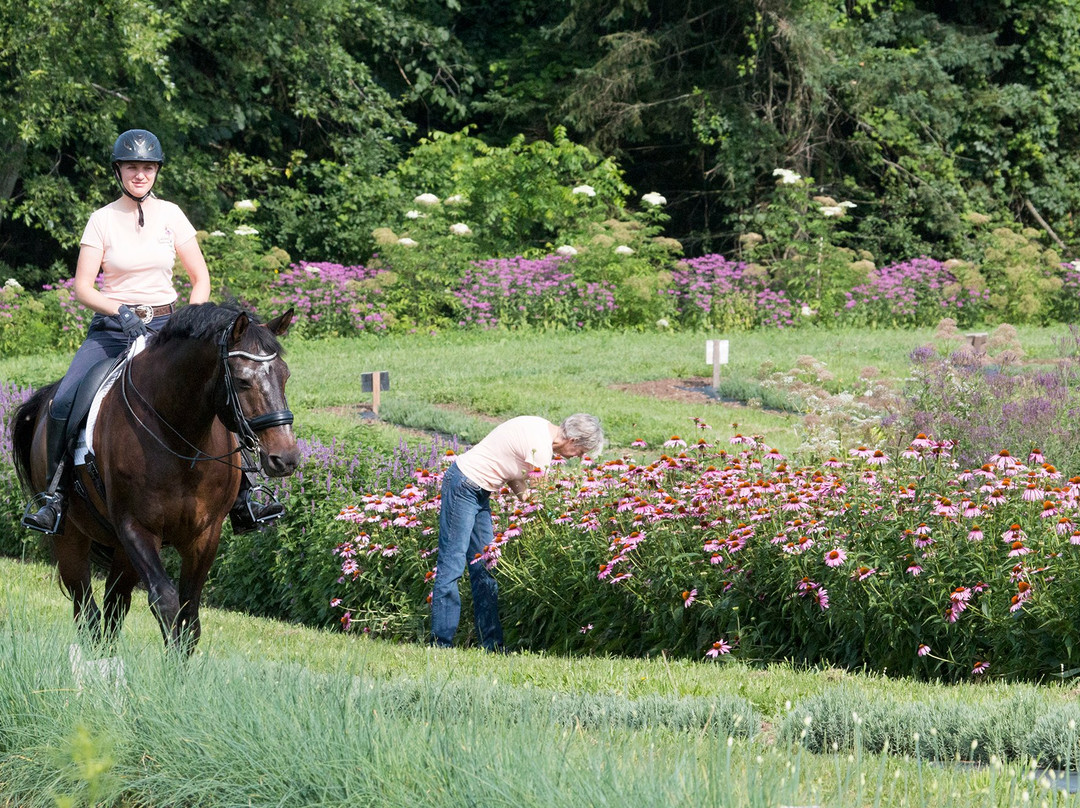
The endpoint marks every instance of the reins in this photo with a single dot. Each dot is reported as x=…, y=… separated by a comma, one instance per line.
x=246, y=427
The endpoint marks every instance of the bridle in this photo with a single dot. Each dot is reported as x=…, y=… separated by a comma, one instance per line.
x=246, y=428
x=231, y=413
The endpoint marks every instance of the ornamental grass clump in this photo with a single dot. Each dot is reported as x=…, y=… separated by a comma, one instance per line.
x=901, y=561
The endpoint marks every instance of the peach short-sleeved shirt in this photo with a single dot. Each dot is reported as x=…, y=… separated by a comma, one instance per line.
x=511, y=451
x=137, y=262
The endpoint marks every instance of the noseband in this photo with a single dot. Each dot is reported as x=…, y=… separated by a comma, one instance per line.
x=246, y=428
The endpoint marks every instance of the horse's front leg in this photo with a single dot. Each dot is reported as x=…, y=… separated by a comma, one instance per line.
x=194, y=569
x=143, y=550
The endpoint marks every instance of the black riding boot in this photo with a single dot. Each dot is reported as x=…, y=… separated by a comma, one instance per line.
x=246, y=514
x=47, y=518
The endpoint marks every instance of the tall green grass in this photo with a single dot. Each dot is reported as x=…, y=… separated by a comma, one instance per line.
x=269, y=714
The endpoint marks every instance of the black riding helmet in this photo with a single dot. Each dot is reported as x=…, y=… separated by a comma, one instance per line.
x=136, y=145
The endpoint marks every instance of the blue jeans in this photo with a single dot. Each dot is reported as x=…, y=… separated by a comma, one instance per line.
x=464, y=530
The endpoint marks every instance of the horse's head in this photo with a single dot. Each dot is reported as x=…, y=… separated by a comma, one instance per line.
x=255, y=376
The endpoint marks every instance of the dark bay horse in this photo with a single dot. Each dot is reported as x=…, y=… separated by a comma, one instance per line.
x=168, y=466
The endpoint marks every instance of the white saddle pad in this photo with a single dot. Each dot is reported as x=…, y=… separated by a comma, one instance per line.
x=84, y=444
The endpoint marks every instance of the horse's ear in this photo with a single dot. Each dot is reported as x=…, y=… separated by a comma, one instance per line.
x=239, y=326
x=280, y=324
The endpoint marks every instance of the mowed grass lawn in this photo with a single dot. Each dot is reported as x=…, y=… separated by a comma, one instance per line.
x=459, y=383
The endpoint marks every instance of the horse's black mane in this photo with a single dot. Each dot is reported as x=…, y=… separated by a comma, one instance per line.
x=207, y=321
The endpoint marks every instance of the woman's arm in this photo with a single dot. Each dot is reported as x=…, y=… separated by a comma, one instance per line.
x=86, y=272
x=191, y=258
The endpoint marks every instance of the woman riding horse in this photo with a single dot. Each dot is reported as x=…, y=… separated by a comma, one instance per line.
x=134, y=242
x=164, y=463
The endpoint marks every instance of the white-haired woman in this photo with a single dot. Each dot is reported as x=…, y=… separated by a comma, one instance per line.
x=509, y=455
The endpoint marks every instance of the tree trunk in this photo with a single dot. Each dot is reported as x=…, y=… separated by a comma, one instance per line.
x=12, y=158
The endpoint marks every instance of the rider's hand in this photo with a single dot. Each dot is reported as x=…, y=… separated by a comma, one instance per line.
x=131, y=323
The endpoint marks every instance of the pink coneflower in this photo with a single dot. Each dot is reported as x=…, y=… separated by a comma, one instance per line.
x=862, y=451
x=1032, y=493
x=1036, y=457
x=335, y=602
x=1017, y=548
x=835, y=557
x=699, y=423
x=923, y=649
x=980, y=668
x=638, y=443
x=1023, y=594
x=688, y=596
x=834, y=463
x=1014, y=533
x=821, y=595
x=622, y=577
x=922, y=441
x=719, y=647
x=1074, y=537
x=1003, y=461
x=586, y=628
x=914, y=570
x=673, y=441
x=862, y=573
x=878, y=458
x=1048, y=509
x=975, y=534
x=346, y=621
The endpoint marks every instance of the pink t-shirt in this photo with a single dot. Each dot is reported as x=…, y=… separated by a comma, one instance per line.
x=138, y=261
x=511, y=451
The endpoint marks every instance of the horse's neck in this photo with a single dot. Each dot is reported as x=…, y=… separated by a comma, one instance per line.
x=179, y=384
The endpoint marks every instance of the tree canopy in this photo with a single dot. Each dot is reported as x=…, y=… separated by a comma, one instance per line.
x=922, y=113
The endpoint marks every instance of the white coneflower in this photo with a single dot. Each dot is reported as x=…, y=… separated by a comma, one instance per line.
x=622, y=249
x=566, y=250
x=460, y=229
x=426, y=199
x=654, y=198
x=587, y=190
x=405, y=241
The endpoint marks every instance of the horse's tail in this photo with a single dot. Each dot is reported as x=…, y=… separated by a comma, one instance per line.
x=23, y=426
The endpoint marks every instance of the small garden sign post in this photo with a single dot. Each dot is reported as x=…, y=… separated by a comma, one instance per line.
x=368, y=385
x=716, y=354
